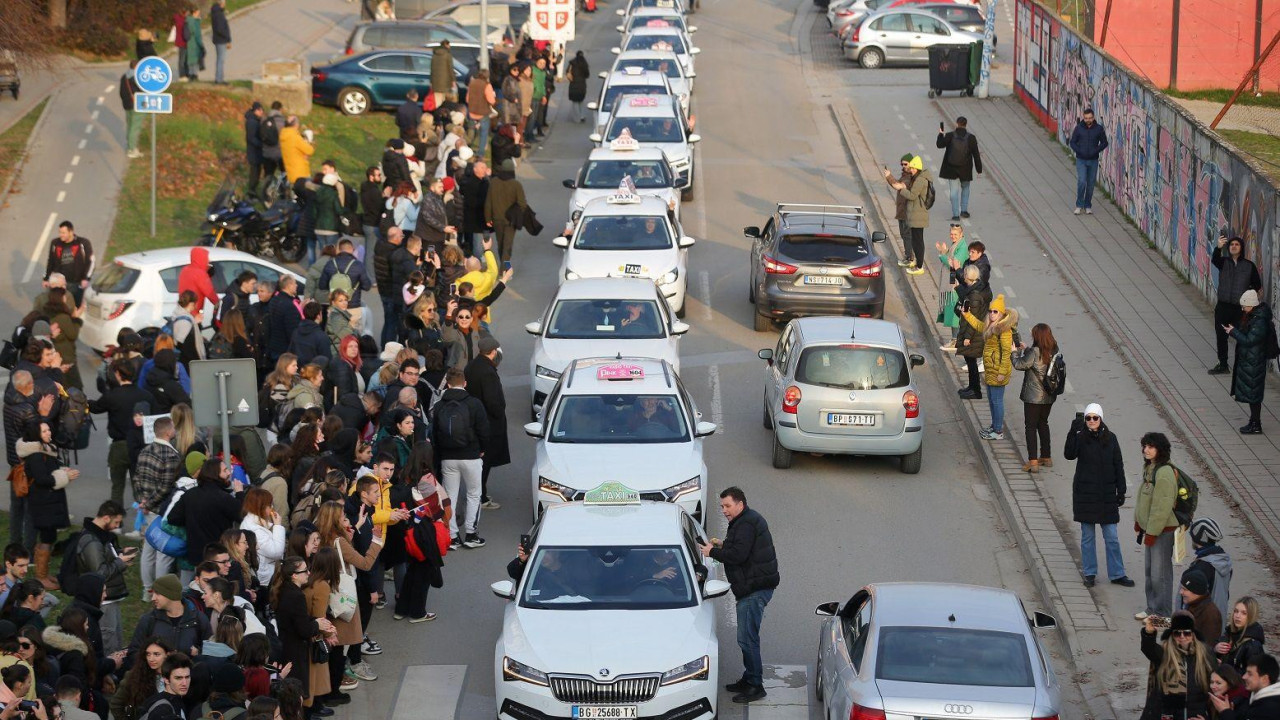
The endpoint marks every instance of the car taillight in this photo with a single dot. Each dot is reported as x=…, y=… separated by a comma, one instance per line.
x=857, y=712
x=856, y=32
x=773, y=267
x=118, y=309
x=911, y=402
x=349, y=51
x=791, y=400
x=1047, y=717
x=867, y=271
x=319, y=76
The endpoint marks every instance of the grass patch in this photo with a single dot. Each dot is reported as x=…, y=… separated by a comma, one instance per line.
x=1266, y=99
x=202, y=144
x=13, y=142
x=1262, y=147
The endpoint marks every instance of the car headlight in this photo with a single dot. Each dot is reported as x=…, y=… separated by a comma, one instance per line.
x=669, y=277
x=552, y=487
x=679, y=490
x=570, y=275
x=546, y=373
x=698, y=669
x=513, y=671
x=213, y=217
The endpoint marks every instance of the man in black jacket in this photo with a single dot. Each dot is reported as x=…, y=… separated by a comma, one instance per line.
x=408, y=115
x=309, y=339
x=118, y=403
x=207, y=510
x=253, y=145
x=96, y=550
x=1097, y=492
x=221, y=38
x=959, y=159
x=459, y=425
x=237, y=297
x=372, y=204
x=283, y=317
x=406, y=259
x=484, y=384
x=384, y=258
x=175, y=673
x=474, y=184
x=1236, y=273
x=395, y=168
x=751, y=566
x=171, y=618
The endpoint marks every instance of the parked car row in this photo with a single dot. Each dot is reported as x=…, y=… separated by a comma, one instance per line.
x=875, y=33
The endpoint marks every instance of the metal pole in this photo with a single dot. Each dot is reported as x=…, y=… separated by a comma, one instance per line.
x=153, y=175
x=1174, y=33
x=484, y=34
x=1245, y=81
x=224, y=414
x=1106, y=20
x=1257, y=45
x=984, y=75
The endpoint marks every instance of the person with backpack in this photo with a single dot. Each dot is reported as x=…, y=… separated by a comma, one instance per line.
x=919, y=195
x=459, y=425
x=118, y=403
x=1043, y=380
x=1097, y=492
x=269, y=131
x=1255, y=338
x=346, y=273
x=23, y=404
x=1155, y=523
x=1212, y=561
x=47, y=498
x=239, y=294
x=163, y=383
x=96, y=549
x=960, y=158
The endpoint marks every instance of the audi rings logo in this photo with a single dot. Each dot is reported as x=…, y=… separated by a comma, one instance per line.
x=954, y=709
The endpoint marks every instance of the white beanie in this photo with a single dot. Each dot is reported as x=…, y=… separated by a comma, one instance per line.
x=407, y=150
x=1249, y=298
x=1093, y=409
x=465, y=154
x=330, y=179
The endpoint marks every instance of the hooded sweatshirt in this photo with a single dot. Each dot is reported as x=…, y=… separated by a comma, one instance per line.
x=195, y=277
x=1214, y=563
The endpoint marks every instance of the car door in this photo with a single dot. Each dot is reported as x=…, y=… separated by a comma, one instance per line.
x=893, y=33
x=928, y=31
x=390, y=77
x=422, y=73
x=776, y=373
x=855, y=629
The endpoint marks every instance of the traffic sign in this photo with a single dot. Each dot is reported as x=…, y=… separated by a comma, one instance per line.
x=153, y=103
x=153, y=75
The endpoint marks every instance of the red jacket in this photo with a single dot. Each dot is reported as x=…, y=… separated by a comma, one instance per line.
x=195, y=277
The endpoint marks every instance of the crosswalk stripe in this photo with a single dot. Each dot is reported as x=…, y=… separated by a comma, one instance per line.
x=788, y=698
x=429, y=692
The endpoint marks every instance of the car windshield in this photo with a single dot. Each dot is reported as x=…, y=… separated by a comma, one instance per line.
x=823, y=248
x=115, y=278
x=596, y=319
x=608, y=577
x=615, y=91
x=619, y=419
x=620, y=232
x=668, y=41
x=666, y=66
x=953, y=656
x=647, y=129
x=659, y=21
x=853, y=367
x=608, y=174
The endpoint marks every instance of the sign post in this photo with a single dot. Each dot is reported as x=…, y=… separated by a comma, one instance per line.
x=989, y=32
x=552, y=20
x=224, y=392
x=153, y=76
x=484, y=35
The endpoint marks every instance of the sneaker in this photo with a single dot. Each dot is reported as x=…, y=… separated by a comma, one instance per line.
x=490, y=505
x=949, y=347
x=335, y=698
x=1077, y=211
x=909, y=262
x=1124, y=581
x=1090, y=580
x=370, y=647
x=473, y=541
x=1219, y=369
x=970, y=394
x=916, y=271
x=991, y=434
x=389, y=575
x=455, y=544
x=131, y=535
x=134, y=154
x=348, y=684
x=362, y=671
x=382, y=601
x=1088, y=211
x=738, y=687
x=425, y=618
x=750, y=695
x=397, y=617
x=955, y=218
x=1140, y=616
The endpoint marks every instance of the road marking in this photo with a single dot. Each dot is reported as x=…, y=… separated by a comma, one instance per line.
x=429, y=692
x=704, y=288
x=88, y=129
x=902, y=117
x=895, y=109
x=67, y=180
x=75, y=160
x=62, y=195
x=915, y=136
x=1009, y=293
x=717, y=404
x=1023, y=314
x=788, y=698
x=995, y=270
x=100, y=99
x=83, y=142
x=922, y=157
x=93, y=115
x=109, y=88
x=39, y=247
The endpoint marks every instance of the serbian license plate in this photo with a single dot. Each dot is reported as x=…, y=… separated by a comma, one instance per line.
x=850, y=419
x=603, y=712
x=823, y=280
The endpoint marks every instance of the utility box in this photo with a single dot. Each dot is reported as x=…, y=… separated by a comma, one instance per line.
x=283, y=79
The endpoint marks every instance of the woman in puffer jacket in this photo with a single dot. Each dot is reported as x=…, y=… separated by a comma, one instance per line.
x=1036, y=362
x=997, y=359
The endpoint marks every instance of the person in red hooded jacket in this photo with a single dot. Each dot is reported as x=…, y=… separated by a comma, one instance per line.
x=196, y=277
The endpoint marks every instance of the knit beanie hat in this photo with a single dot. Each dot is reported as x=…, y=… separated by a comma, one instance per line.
x=906, y=158
x=998, y=304
x=168, y=587
x=1205, y=531
x=916, y=162
x=1249, y=298
x=1093, y=409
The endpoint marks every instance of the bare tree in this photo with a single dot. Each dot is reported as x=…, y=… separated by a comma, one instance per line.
x=25, y=30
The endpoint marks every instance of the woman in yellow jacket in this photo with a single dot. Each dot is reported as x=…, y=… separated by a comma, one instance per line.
x=1155, y=523
x=295, y=151
x=997, y=359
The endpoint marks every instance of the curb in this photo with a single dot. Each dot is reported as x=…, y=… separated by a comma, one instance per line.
x=26, y=150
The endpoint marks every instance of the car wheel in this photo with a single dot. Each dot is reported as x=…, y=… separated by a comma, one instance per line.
x=871, y=58
x=781, y=455
x=763, y=323
x=911, y=463
x=353, y=101
x=768, y=419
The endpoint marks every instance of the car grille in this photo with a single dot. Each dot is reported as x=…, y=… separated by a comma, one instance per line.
x=622, y=690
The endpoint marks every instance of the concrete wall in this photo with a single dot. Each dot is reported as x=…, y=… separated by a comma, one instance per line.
x=1177, y=180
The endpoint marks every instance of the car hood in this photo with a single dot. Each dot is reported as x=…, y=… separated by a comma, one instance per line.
x=624, y=642
x=612, y=263
x=640, y=466
x=905, y=698
x=582, y=196
x=556, y=354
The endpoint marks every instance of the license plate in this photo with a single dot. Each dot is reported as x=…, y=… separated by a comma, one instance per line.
x=604, y=712
x=850, y=419
x=631, y=269
x=823, y=280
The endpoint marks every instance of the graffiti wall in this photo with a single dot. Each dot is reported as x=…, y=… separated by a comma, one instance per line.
x=1171, y=175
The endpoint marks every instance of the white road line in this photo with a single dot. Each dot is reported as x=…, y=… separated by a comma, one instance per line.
x=902, y=117
x=109, y=88
x=93, y=115
x=920, y=146
x=83, y=142
x=704, y=290
x=88, y=129
x=75, y=160
x=997, y=272
x=1009, y=293
x=1023, y=314
x=429, y=692
x=67, y=180
x=895, y=109
x=62, y=195
x=717, y=405
x=39, y=247
x=100, y=99
x=915, y=136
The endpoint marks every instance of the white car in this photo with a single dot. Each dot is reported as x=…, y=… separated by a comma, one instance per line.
x=627, y=235
x=629, y=81
x=656, y=121
x=607, y=168
x=624, y=419
x=140, y=290
x=656, y=17
x=664, y=62
x=611, y=616
x=662, y=39
x=601, y=316
x=634, y=6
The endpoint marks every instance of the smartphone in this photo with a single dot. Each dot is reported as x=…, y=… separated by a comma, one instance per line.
x=506, y=266
x=525, y=542
x=431, y=249
x=941, y=127
x=1080, y=416
x=453, y=288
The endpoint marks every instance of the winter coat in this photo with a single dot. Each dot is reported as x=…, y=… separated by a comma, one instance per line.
x=327, y=208
x=221, y=28
x=483, y=383
x=271, y=545
x=47, y=500
x=296, y=628
x=510, y=102
x=19, y=411
x=1098, y=487
x=479, y=425
x=205, y=512
x=917, y=213
x=475, y=192
x=1208, y=619
x=99, y=553
x=750, y=562
x=1033, y=376
x=978, y=296
x=382, y=253
x=961, y=156
x=1153, y=510
x=579, y=71
x=403, y=263
x=310, y=343
x=350, y=407
x=296, y=153
x=1194, y=702
x=997, y=347
x=948, y=296
x=235, y=299
x=353, y=268
x=184, y=632
x=252, y=136
x=343, y=379
x=304, y=395
x=1088, y=142
x=1249, y=373
x=195, y=277
x=432, y=220
x=1235, y=276
x=1215, y=564
x=504, y=191
x=284, y=319
x=337, y=327
x=395, y=168
x=461, y=347
x=504, y=147
x=70, y=652
x=408, y=115
x=165, y=386
x=483, y=281
x=443, y=75
x=1246, y=645
x=195, y=43
x=1262, y=705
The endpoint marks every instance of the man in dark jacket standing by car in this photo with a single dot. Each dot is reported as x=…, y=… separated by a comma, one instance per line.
x=1236, y=273
x=408, y=115
x=959, y=160
x=221, y=38
x=283, y=315
x=253, y=144
x=444, y=79
x=1097, y=492
x=751, y=567
x=1088, y=141
x=483, y=383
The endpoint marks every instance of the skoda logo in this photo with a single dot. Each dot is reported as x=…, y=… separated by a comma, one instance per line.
x=954, y=709
x=604, y=672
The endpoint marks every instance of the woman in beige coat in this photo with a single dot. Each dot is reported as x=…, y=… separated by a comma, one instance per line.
x=336, y=532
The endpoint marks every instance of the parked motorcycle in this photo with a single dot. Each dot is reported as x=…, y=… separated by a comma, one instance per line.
x=237, y=220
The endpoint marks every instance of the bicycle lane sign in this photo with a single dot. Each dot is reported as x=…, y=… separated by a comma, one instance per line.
x=153, y=75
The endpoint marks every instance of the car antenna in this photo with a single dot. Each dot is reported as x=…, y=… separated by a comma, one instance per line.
x=951, y=617
x=853, y=330
x=619, y=356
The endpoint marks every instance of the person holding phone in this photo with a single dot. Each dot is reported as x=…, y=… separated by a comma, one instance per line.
x=959, y=159
x=917, y=213
x=97, y=550
x=1236, y=273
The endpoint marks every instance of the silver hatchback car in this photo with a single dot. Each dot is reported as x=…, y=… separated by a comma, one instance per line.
x=901, y=35
x=843, y=386
x=934, y=650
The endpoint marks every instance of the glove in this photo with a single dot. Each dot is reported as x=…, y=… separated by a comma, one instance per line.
x=1120, y=500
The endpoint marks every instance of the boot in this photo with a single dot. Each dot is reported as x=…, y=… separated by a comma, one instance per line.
x=1046, y=462
x=1253, y=428
x=1031, y=466
x=43, y=553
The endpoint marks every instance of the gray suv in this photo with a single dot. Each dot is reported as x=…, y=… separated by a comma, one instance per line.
x=815, y=260
x=403, y=34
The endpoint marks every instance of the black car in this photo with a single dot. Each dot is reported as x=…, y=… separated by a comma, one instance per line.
x=815, y=260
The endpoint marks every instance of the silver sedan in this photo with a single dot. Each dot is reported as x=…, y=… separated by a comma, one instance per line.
x=934, y=650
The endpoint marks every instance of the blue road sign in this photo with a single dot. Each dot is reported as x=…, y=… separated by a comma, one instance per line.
x=153, y=103
x=153, y=75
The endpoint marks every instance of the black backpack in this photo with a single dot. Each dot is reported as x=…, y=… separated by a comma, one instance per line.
x=1055, y=376
x=929, y=195
x=269, y=133
x=69, y=571
x=453, y=424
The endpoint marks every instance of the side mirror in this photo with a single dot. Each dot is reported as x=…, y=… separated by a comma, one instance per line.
x=878, y=236
x=751, y=231
x=533, y=328
x=704, y=429
x=686, y=242
x=603, y=75
x=917, y=360
x=533, y=429
x=694, y=138
x=694, y=51
x=680, y=182
x=560, y=241
x=679, y=327
x=693, y=28
x=619, y=28
x=593, y=105
x=715, y=589
x=828, y=609
x=615, y=51
x=766, y=355
x=504, y=589
x=691, y=75
x=595, y=137
x=1042, y=621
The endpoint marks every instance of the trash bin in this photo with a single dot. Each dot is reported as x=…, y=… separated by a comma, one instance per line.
x=949, y=69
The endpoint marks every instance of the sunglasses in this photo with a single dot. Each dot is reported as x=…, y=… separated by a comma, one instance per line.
x=303, y=571
x=1091, y=418
x=1184, y=633
x=464, y=317
x=26, y=645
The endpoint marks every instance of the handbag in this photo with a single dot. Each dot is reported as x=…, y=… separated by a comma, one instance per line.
x=173, y=34
x=21, y=483
x=319, y=651
x=342, y=600
x=442, y=538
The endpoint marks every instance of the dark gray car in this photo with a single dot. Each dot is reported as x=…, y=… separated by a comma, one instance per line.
x=404, y=34
x=815, y=260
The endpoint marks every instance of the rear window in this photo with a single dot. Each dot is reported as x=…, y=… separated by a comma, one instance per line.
x=115, y=278
x=952, y=656
x=823, y=248
x=170, y=278
x=853, y=367
x=375, y=37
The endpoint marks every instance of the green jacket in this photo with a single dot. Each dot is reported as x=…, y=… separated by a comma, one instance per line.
x=917, y=213
x=443, y=76
x=539, y=84
x=1153, y=511
x=947, y=296
x=195, y=41
x=327, y=207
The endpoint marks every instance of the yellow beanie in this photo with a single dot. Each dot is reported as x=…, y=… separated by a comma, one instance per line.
x=997, y=304
x=916, y=163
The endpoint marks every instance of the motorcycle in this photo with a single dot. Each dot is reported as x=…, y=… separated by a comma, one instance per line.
x=231, y=218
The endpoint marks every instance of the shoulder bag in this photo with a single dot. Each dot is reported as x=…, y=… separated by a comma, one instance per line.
x=342, y=599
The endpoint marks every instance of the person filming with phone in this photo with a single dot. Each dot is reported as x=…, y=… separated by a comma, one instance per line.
x=97, y=550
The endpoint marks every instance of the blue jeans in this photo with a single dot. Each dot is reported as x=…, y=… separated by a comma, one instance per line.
x=1086, y=176
x=750, y=614
x=1089, y=552
x=995, y=400
x=959, y=196
x=220, y=51
x=482, y=136
x=370, y=242
x=391, y=305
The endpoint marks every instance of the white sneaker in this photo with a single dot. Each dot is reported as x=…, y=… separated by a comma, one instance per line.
x=1140, y=616
x=134, y=154
x=1088, y=211
x=1077, y=211
x=362, y=671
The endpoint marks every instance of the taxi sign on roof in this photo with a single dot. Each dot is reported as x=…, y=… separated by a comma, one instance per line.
x=644, y=101
x=620, y=371
x=633, y=70
x=624, y=141
x=611, y=493
x=657, y=22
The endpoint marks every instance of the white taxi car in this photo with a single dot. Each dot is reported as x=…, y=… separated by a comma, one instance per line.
x=629, y=81
x=656, y=17
x=629, y=235
x=596, y=316
x=611, y=616
x=656, y=121
x=662, y=39
x=606, y=169
x=634, y=6
x=623, y=419
x=664, y=62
